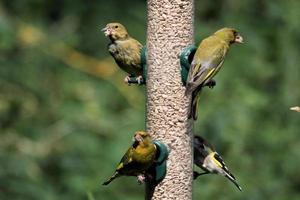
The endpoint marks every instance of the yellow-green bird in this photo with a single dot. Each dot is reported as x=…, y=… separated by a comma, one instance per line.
x=206, y=157
x=138, y=158
x=207, y=62
x=125, y=50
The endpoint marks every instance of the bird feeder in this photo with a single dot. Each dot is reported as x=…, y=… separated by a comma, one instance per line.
x=186, y=58
x=160, y=165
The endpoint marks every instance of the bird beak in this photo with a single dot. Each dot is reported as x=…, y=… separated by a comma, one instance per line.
x=138, y=138
x=239, y=39
x=296, y=108
x=107, y=31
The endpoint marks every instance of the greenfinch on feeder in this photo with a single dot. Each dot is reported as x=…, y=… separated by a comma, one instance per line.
x=207, y=62
x=138, y=158
x=210, y=161
x=125, y=50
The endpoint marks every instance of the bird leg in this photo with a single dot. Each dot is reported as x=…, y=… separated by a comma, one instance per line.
x=127, y=79
x=116, y=174
x=141, y=178
x=211, y=83
x=139, y=79
x=197, y=174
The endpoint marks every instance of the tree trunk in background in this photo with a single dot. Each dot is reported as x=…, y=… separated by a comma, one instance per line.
x=170, y=29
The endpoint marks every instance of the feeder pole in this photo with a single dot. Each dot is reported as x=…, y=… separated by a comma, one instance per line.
x=169, y=31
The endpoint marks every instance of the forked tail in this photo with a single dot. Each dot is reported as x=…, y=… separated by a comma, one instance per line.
x=111, y=178
x=194, y=105
x=233, y=180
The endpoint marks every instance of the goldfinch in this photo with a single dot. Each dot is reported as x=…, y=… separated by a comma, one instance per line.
x=210, y=161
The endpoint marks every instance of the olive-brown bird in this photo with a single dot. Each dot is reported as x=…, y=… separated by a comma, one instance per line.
x=207, y=62
x=206, y=157
x=138, y=158
x=125, y=50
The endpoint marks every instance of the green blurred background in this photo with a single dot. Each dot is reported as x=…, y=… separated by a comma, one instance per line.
x=66, y=117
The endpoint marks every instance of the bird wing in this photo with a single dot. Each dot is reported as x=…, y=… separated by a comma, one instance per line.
x=207, y=61
x=227, y=174
x=126, y=159
x=207, y=68
x=127, y=54
x=136, y=159
x=134, y=53
x=221, y=163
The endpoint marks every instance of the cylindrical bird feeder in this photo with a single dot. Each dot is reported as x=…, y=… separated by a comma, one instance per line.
x=170, y=30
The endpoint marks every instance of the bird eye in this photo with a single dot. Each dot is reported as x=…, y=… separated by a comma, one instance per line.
x=117, y=26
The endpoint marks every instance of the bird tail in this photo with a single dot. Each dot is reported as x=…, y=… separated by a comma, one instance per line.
x=233, y=180
x=116, y=174
x=194, y=105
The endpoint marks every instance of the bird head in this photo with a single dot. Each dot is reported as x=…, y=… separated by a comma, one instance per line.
x=229, y=35
x=199, y=141
x=115, y=31
x=141, y=136
x=203, y=144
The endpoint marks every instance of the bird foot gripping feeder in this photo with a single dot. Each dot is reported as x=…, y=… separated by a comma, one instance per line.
x=133, y=80
x=159, y=169
x=186, y=58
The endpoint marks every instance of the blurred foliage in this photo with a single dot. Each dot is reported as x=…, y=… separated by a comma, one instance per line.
x=66, y=117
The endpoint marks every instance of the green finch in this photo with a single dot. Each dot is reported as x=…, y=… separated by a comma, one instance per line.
x=210, y=161
x=138, y=158
x=125, y=50
x=207, y=62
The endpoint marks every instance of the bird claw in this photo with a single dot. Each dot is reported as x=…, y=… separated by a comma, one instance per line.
x=211, y=84
x=127, y=79
x=141, y=178
x=139, y=79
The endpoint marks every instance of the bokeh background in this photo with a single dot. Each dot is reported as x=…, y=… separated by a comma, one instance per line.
x=66, y=117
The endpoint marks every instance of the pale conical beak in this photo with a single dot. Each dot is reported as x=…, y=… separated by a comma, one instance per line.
x=106, y=31
x=296, y=108
x=138, y=138
x=239, y=39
